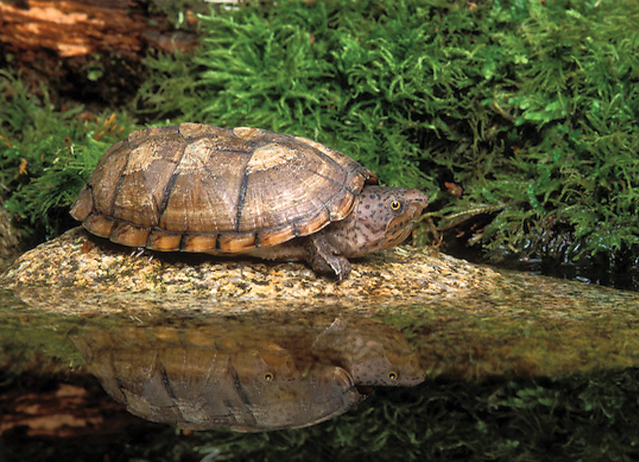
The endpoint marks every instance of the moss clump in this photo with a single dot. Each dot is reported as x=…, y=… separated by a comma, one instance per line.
x=530, y=106
x=46, y=154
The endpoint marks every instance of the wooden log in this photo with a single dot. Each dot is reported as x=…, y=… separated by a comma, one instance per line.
x=86, y=51
x=83, y=27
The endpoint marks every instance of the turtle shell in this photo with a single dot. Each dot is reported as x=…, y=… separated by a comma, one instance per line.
x=199, y=188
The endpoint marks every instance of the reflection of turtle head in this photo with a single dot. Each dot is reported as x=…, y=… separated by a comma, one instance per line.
x=373, y=353
x=386, y=367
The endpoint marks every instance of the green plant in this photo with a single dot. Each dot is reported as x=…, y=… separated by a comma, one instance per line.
x=46, y=155
x=529, y=106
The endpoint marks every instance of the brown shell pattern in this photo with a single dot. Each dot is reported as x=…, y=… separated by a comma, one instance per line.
x=199, y=188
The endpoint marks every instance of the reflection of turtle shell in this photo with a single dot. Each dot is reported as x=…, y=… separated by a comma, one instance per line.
x=198, y=188
x=195, y=382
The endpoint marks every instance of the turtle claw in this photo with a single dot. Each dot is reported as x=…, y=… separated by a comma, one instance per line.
x=325, y=259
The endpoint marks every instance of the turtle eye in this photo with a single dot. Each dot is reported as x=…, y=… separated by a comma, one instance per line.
x=392, y=376
x=395, y=205
x=269, y=376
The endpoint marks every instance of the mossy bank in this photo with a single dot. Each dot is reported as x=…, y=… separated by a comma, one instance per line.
x=517, y=118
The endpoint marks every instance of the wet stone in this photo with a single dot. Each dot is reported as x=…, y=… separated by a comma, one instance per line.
x=462, y=320
x=79, y=260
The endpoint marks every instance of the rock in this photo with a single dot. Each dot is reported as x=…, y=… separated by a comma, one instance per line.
x=9, y=239
x=77, y=260
x=463, y=320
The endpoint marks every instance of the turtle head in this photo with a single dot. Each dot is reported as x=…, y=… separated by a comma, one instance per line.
x=382, y=218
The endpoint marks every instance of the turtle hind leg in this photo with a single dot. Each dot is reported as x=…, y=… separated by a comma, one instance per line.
x=324, y=258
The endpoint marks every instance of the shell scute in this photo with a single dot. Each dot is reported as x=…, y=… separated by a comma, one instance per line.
x=278, y=171
x=205, y=190
x=343, y=206
x=139, y=137
x=108, y=174
x=340, y=159
x=236, y=243
x=312, y=222
x=133, y=203
x=192, y=131
x=99, y=225
x=275, y=235
x=83, y=205
x=142, y=188
x=200, y=243
x=129, y=234
x=163, y=241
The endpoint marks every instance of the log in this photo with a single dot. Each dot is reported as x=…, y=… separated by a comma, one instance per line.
x=75, y=28
x=84, y=50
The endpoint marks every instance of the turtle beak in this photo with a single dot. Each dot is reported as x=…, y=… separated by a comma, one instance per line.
x=397, y=236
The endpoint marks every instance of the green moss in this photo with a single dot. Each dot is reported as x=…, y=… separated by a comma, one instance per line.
x=530, y=106
x=46, y=154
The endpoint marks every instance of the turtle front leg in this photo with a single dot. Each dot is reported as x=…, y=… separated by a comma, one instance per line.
x=324, y=258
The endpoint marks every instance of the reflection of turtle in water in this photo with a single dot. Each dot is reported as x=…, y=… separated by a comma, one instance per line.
x=250, y=373
x=198, y=380
x=198, y=188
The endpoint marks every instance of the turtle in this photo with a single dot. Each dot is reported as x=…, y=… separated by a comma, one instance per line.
x=221, y=191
